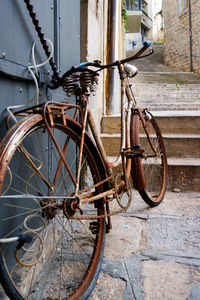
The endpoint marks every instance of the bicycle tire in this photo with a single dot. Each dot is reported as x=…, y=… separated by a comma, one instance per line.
x=71, y=251
x=149, y=172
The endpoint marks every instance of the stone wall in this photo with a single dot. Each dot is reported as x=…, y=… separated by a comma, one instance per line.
x=177, y=35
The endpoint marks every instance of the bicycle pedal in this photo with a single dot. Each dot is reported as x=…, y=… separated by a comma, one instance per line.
x=135, y=151
x=93, y=227
x=136, y=147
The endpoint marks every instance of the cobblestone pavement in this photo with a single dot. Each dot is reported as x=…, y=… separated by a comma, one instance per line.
x=153, y=253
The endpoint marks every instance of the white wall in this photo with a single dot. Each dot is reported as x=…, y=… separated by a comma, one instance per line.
x=94, y=49
x=133, y=38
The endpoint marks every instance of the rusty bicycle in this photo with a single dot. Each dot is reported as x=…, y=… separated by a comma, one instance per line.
x=59, y=190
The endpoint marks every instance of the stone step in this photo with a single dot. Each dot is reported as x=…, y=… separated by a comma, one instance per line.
x=169, y=105
x=153, y=62
x=183, y=174
x=167, y=96
x=174, y=122
x=166, y=91
x=177, y=145
x=174, y=99
x=179, y=78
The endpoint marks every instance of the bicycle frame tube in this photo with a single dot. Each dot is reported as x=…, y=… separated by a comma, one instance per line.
x=123, y=126
x=84, y=99
x=147, y=132
x=95, y=134
x=125, y=116
x=131, y=105
x=125, y=123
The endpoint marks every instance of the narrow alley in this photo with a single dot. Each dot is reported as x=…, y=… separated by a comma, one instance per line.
x=63, y=89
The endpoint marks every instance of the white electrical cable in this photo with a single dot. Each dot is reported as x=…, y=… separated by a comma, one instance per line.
x=34, y=67
x=29, y=217
x=9, y=240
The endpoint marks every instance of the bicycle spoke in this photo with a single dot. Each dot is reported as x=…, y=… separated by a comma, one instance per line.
x=34, y=166
x=60, y=162
x=37, y=192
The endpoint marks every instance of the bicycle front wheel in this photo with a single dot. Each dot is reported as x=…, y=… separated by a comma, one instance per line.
x=149, y=169
x=54, y=256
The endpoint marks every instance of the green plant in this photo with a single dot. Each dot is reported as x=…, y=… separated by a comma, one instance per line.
x=124, y=16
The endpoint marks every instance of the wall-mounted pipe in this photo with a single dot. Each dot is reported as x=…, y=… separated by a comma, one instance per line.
x=190, y=30
x=111, y=55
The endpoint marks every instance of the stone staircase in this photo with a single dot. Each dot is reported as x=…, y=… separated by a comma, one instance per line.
x=173, y=97
x=168, y=91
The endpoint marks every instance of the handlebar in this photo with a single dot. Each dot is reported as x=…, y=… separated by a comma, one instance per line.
x=96, y=63
x=82, y=66
x=146, y=45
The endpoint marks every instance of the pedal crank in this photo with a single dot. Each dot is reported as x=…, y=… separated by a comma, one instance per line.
x=93, y=227
x=135, y=151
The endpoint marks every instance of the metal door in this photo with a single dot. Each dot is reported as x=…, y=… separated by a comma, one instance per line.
x=60, y=22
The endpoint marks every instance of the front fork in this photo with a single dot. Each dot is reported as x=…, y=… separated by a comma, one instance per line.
x=145, y=117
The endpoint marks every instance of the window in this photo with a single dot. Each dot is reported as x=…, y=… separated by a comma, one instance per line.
x=132, y=4
x=144, y=5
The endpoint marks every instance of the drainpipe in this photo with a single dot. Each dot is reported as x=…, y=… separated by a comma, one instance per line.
x=111, y=38
x=190, y=30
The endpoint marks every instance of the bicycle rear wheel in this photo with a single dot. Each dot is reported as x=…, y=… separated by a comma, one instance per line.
x=61, y=257
x=148, y=170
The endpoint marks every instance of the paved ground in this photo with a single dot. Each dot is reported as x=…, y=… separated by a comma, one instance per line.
x=153, y=253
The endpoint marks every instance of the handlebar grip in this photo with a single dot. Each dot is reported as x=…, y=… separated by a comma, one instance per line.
x=147, y=44
x=97, y=63
x=84, y=64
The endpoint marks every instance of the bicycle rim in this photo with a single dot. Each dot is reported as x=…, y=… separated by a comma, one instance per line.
x=64, y=256
x=149, y=173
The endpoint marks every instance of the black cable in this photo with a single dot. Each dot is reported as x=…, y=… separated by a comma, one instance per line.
x=55, y=77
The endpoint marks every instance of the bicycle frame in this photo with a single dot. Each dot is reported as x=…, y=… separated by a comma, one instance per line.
x=51, y=109
x=55, y=174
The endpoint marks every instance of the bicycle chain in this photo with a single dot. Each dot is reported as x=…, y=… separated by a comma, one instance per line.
x=107, y=200
x=43, y=41
x=97, y=217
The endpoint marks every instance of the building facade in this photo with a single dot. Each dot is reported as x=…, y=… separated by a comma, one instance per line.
x=139, y=22
x=182, y=35
x=158, y=22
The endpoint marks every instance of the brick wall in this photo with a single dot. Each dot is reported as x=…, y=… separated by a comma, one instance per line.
x=177, y=36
